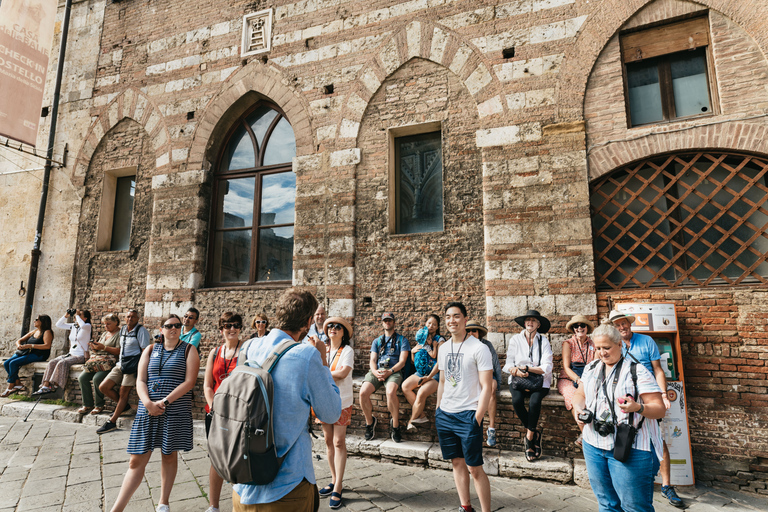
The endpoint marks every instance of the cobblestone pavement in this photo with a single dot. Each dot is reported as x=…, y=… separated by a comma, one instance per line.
x=60, y=466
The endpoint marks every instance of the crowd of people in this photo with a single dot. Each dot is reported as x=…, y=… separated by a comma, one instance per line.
x=611, y=380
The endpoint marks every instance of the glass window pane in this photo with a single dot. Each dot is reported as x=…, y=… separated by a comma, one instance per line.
x=420, y=171
x=644, y=92
x=239, y=153
x=122, y=219
x=278, y=198
x=259, y=122
x=232, y=256
x=275, y=254
x=281, y=147
x=689, y=83
x=236, y=203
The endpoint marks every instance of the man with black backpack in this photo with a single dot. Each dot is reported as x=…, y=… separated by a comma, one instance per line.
x=300, y=380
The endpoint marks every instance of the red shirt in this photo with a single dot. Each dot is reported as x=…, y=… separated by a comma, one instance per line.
x=222, y=368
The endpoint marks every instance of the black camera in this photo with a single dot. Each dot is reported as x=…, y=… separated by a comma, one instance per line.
x=604, y=428
x=586, y=416
x=71, y=312
x=159, y=338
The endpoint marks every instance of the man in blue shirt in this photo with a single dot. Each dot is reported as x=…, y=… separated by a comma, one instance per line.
x=389, y=353
x=316, y=329
x=642, y=349
x=301, y=380
x=189, y=332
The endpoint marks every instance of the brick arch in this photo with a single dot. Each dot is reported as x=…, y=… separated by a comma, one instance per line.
x=131, y=104
x=734, y=135
x=430, y=41
x=608, y=18
x=262, y=80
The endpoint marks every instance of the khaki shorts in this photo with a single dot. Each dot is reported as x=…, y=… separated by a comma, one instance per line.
x=116, y=375
x=396, y=377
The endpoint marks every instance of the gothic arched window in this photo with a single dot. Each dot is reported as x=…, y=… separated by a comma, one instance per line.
x=254, y=197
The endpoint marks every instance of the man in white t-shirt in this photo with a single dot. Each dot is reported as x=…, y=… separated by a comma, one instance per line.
x=466, y=372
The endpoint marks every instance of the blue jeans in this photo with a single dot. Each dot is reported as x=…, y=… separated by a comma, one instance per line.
x=14, y=363
x=621, y=486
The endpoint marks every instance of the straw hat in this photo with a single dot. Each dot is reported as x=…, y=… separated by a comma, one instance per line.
x=618, y=315
x=532, y=313
x=337, y=320
x=474, y=324
x=579, y=319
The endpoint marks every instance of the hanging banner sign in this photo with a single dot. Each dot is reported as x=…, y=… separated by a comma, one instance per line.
x=26, y=33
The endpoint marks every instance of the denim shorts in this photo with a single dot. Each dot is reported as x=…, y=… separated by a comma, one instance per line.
x=460, y=436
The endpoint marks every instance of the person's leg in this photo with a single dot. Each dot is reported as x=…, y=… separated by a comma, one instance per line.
x=14, y=364
x=84, y=380
x=7, y=365
x=518, y=403
x=366, y=390
x=121, y=403
x=634, y=480
x=534, y=407
x=409, y=385
x=61, y=373
x=667, y=489
x=107, y=386
x=461, y=479
x=97, y=380
x=393, y=403
x=425, y=390
x=340, y=445
x=329, y=450
x=214, y=487
x=168, y=467
x=471, y=434
x=482, y=487
x=600, y=479
x=666, y=467
x=49, y=370
x=132, y=480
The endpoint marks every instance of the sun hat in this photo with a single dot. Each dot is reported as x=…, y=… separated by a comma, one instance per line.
x=474, y=324
x=618, y=315
x=580, y=319
x=337, y=320
x=532, y=313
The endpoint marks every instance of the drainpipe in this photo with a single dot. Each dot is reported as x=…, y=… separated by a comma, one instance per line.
x=35, y=259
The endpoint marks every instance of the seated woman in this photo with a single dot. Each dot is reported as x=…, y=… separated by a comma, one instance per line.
x=57, y=372
x=260, y=323
x=33, y=347
x=104, y=355
x=578, y=350
x=426, y=378
x=616, y=392
x=529, y=363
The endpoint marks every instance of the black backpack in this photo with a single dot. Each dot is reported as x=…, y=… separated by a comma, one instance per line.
x=241, y=441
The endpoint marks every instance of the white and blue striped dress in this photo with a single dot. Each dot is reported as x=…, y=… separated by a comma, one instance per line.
x=171, y=431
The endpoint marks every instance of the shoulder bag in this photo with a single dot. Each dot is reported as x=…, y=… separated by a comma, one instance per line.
x=534, y=381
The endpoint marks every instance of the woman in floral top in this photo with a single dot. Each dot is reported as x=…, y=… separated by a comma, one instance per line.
x=426, y=378
x=578, y=350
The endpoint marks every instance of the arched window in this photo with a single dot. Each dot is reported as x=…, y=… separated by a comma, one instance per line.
x=254, y=201
x=687, y=219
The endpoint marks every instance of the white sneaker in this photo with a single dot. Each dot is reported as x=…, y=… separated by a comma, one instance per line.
x=212, y=509
x=163, y=508
x=422, y=419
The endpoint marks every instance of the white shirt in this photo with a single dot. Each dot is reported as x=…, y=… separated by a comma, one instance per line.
x=520, y=354
x=79, y=335
x=461, y=364
x=346, y=359
x=649, y=434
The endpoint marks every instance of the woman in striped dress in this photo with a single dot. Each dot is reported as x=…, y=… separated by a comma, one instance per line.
x=166, y=376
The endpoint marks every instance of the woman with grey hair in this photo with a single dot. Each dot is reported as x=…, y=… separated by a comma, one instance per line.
x=103, y=358
x=617, y=403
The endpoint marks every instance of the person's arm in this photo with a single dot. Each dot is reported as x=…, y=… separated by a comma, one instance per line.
x=83, y=336
x=142, y=336
x=434, y=368
x=141, y=385
x=80, y=321
x=208, y=382
x=545, y=366
x=567, y=363
x=652, y=407
x=511, y=364
x=440, y=387
x=432, y=350
x=579, y=402
x=190, y=377
x=486, y=377
x=20, y=342
x=62, y=323
x=401, y=362
x=661, y=380
x=113, y=349
x=47, y=341
x=373, y=363
x=324, y=396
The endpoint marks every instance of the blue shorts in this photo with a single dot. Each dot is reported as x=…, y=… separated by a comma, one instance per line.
x=460, y=436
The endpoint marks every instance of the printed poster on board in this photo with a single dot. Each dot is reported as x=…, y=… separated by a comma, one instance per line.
x=26, y=33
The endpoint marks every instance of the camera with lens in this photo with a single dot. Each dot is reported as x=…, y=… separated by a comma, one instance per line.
x=71, y=312
x=586, y=416
x=604, y=426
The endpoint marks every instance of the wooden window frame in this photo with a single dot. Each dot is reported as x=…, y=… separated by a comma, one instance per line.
x=107, y=208
x=258, y=172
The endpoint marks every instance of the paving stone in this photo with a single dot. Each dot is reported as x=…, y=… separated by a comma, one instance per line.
x=47, y=485
x=36, y=501
x=144, y=505
x=82, y=475
x=85, y=506
x=82, y=493
x=40, y=412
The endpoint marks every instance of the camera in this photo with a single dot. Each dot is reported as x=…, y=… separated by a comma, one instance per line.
x=604, y=428
x=71, y=312
x=159, y=338
x=586, y=416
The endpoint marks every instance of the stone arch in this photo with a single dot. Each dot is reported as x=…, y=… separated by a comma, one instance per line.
x=607, y=18
x=132, y=104
x=253, y=81
x=429, y=41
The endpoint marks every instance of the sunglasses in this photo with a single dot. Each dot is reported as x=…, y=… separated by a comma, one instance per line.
x=580, y=326
x=260, y=322
x=191, y=317
x=472, y=330
x=335, y=327
x=172, y=326
x=231, y=325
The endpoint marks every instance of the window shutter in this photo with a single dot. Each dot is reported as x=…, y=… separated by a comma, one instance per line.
x=684, y=35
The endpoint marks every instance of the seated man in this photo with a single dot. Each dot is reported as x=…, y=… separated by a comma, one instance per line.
x=389, y=353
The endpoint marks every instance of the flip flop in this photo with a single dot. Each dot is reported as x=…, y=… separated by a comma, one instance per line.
x=97, y=410
x=83, y=410
x=6, y=393
x=326, y=491
x=530, y=454
x=335, y=501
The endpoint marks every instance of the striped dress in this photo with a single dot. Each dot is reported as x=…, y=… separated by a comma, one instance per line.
x=171, y=431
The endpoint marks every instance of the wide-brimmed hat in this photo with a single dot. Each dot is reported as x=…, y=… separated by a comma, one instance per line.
x=474, y=324
x=337, y=320
x=579, y=319
x=618, y=315
x=532, y=313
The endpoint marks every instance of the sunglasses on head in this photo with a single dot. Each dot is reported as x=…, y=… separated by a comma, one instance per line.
x=580, y=326
x=172, y=326
x=261, y=322
x=336, y=327
x=231, y=325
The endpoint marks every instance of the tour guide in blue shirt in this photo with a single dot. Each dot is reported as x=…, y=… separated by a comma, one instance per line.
x=301, y=380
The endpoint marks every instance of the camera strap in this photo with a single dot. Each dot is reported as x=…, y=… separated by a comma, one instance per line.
x=612, y=397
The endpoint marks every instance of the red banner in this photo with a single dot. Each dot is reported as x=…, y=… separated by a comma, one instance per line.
x=26, y=32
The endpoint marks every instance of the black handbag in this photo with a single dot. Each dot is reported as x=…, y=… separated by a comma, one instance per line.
x=533, y=382
x=129, y=365
x=22, y=352
x=626, y=432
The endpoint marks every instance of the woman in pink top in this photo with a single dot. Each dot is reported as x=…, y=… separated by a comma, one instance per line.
x=578, y=351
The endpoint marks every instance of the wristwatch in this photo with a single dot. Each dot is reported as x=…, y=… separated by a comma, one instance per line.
x=166, y=402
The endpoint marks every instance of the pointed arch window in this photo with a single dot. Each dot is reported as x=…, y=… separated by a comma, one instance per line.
x=254, y=198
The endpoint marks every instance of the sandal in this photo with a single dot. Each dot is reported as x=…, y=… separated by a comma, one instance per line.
x=43, y=390
x=84, y=409
x=537, y=443
x=97, y=410
x=326, y=491
x=18, y=388
x=6, y=393
x=335, y=501
x=530, y=454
